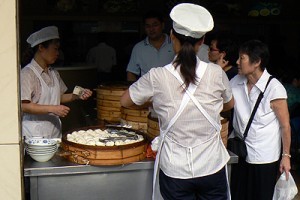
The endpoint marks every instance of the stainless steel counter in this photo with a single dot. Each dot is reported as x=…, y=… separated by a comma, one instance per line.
x=61, y=179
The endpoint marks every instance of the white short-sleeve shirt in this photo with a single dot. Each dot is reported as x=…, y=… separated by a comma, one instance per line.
x=144, y=56
x=191, y=127
x=264, y=136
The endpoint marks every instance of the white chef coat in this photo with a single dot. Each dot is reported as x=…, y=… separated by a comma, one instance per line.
x=264, y=136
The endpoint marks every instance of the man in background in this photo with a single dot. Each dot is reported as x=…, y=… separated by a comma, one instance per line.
x=155, y=50
x=104, y=58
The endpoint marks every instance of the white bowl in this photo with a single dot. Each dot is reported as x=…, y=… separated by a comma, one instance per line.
x=34, y=147
x=41, y=151
x=40, y=147
x=42, y=157
x=40, y=142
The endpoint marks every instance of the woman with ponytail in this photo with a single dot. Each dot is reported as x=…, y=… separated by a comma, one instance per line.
x=42, y=89
x=188, y=96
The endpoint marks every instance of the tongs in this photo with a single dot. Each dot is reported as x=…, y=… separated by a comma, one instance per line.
x=109, y=124
x=123, y=136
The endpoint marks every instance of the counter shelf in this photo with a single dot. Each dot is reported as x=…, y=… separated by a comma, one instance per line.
x=62, y=179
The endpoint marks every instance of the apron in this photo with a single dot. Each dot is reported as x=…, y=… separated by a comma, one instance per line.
x=44, y=125
x=187, y=96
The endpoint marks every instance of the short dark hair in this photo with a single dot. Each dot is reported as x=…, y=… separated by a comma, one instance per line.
x=226, y=43
x=257, y=51
x=153, y=14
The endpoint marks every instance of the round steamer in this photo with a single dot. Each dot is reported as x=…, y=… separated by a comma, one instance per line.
x=104, y=155
x=108, y=101
x=136, y=118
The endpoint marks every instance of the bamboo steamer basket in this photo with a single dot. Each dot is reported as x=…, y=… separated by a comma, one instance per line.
x=108, y=101
x=153, y=127
x=136, y=118
x=224, y=131
x=104, y=155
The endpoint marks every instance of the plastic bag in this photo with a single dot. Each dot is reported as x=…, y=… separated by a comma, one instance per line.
x=155, y=143
x=285, y=189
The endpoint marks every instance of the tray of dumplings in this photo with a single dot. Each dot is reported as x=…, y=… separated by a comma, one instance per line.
x=104, y=145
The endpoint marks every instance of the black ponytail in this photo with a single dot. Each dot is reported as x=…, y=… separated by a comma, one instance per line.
x=186, y=58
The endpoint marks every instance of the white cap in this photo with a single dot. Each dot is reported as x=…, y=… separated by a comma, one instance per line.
x=47, y=33
x=191, y=20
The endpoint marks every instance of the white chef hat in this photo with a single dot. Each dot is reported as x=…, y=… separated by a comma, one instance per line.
x=47, y=33
x=191, y=20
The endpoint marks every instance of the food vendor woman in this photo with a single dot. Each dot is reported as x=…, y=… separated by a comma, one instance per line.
x=42, y=89
x=188, y=96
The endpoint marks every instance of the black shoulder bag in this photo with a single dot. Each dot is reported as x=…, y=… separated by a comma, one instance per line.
x=237, y=145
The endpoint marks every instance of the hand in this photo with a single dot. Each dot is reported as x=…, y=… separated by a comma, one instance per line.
x=60, y=110
x=285, y=166
x=222, y=62
x=86, y=93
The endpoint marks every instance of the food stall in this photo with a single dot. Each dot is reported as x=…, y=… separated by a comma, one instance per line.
x=62, y=179
x=88, y=175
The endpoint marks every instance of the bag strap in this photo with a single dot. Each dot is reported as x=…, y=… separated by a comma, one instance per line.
x=261, y=95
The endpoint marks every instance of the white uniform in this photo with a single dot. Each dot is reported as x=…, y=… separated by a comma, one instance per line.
x=191, y=148
x=46, y=125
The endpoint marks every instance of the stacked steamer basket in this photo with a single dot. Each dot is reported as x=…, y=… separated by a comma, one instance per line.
x=136, y=118
x=224, y=130
x=108, y=102
x=95, y=154
x=153, y=127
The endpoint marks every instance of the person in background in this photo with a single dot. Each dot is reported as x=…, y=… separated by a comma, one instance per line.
x=42, y=89
x=191, y=158
x=154, y=51
x=291, y=82
x=255, y=177
x=223, y=51
x=104, y=58
x=202, y=53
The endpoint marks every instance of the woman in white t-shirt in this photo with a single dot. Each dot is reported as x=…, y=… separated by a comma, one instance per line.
x=191, y=157
x=255, y=177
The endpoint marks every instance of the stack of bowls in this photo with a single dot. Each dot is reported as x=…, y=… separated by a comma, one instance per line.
x=41, y=149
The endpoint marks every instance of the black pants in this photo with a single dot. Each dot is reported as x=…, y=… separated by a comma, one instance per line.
x=212, y=187
x=253, y=181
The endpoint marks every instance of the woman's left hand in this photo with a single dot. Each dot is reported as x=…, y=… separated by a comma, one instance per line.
x=285, y=166
x=86, y=94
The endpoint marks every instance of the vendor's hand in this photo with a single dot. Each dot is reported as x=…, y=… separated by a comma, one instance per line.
x=60, y=110
x=285, y=166
x=86, y=93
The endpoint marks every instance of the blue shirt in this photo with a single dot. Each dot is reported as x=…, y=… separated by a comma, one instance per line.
x=144, y=56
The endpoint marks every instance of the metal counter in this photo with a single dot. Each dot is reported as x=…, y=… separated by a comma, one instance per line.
x=61, y=179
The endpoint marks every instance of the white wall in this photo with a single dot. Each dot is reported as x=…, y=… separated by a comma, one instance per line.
x=10, y=167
